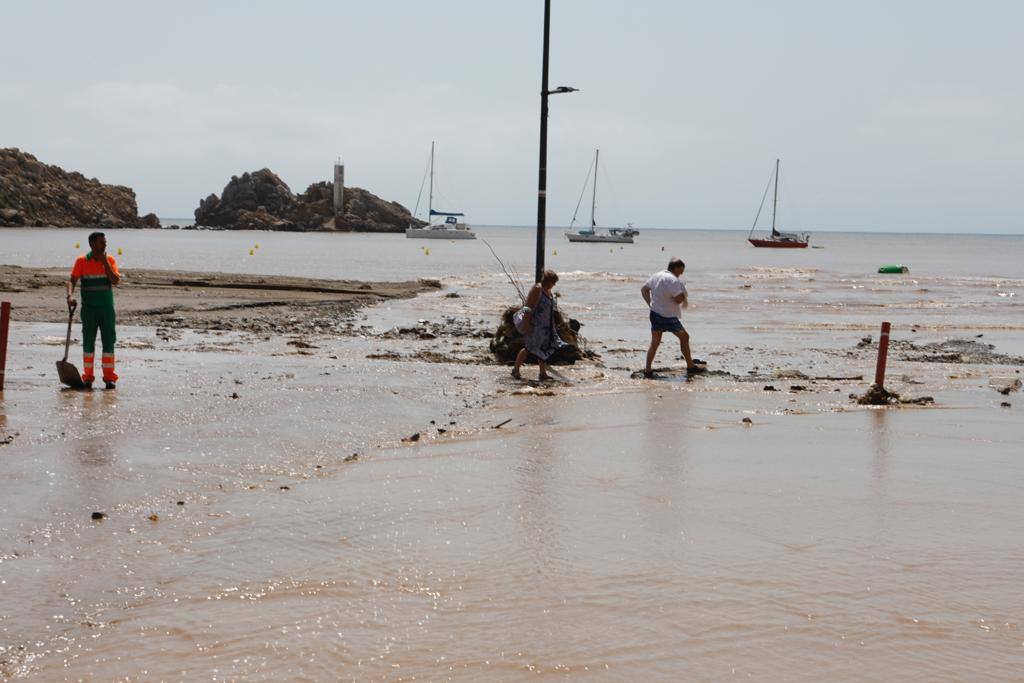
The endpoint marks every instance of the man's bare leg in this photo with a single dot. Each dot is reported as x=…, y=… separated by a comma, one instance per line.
x=684, y=346
x=543, y=370
x=652, y=350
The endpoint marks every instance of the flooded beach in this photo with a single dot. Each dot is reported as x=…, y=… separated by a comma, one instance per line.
x=381, y=501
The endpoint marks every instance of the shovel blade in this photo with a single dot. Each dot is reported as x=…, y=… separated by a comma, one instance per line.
x=68, y=374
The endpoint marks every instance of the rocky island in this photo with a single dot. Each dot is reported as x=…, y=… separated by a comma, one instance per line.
x=260, y=200
x=35, y=194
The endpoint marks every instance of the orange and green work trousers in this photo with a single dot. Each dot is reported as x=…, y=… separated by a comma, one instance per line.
x=101, y=319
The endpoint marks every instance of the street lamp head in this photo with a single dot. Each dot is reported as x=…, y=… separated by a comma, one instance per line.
x=562, y=89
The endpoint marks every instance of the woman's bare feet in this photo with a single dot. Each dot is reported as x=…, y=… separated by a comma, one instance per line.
x=515, y=374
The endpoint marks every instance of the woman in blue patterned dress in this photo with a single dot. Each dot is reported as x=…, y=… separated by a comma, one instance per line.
x=538, y=325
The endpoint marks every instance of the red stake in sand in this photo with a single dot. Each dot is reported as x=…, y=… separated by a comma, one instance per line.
x=883, y=352
x=5, y=321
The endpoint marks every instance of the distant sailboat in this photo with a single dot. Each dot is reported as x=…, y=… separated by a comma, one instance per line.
x=615, y=235
x=777, y=240
x=450, y=229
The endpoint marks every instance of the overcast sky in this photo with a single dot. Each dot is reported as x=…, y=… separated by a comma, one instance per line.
x=895, y=115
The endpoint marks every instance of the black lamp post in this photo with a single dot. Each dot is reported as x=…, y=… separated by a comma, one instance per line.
x=542, y=182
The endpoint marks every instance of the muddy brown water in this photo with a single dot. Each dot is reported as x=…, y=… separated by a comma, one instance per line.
x=613, y=529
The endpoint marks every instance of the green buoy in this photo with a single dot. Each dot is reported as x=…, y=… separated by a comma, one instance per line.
x=893, y=268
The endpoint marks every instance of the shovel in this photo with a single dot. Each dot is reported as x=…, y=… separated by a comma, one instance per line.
x=67, y=372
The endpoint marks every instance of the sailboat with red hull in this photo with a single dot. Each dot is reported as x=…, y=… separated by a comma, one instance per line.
x=777, y=239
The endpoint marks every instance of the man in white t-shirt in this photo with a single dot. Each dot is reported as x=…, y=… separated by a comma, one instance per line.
x=665, y=295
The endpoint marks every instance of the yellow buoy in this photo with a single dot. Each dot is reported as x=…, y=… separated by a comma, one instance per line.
x=257, y=245
x=251, y=252
x=77, y=246
x=554, y=252
x=610, y=250
x=119, y=251
x=426, y=252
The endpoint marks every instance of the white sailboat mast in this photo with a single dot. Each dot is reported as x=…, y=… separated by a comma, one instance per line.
x=593, y=201
x=775, y=197
x=430, y=200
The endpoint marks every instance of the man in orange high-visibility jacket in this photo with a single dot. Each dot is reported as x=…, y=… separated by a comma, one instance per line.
x=98, y=273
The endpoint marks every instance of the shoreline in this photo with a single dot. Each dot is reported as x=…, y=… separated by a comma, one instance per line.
x=209, y=301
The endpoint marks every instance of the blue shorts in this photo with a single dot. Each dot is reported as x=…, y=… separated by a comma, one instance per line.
x=660, y=323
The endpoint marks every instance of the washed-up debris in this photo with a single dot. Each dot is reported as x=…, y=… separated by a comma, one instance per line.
x=451, y=326
x=181, y=502
x=501, y=424
x=952, y=351
x=1004, y=404
x=351, y=458
x=386, y=355
x=836, y=378
x=427, y=356
x=285, y=488
x=747, y=421
x=302, y=344
x=864, y=341
x=680, y=372
x=533, y=391
x=99, y=515
x=412, y=439
x=1004, y=385
x=507, y=340
x=154, y=517
x=797, y=387
x=879, y=396
x=789, y=373
x=452, y=295
x=769, y=387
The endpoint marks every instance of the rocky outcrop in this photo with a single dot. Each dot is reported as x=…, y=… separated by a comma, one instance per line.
x=262, y=201
x=36, y=194
x=366, y=212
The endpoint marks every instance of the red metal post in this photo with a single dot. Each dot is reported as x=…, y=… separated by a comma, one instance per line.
x=883, y=352
x=5, y=321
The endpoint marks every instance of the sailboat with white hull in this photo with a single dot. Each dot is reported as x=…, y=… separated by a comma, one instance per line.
x=613, y=235
x=450, y=229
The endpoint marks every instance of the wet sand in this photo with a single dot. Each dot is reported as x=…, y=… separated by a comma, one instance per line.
x=210, y=301
x=608, y=529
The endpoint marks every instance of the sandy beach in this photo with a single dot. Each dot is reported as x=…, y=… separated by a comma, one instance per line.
x=211, y=301
x=302, y=477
